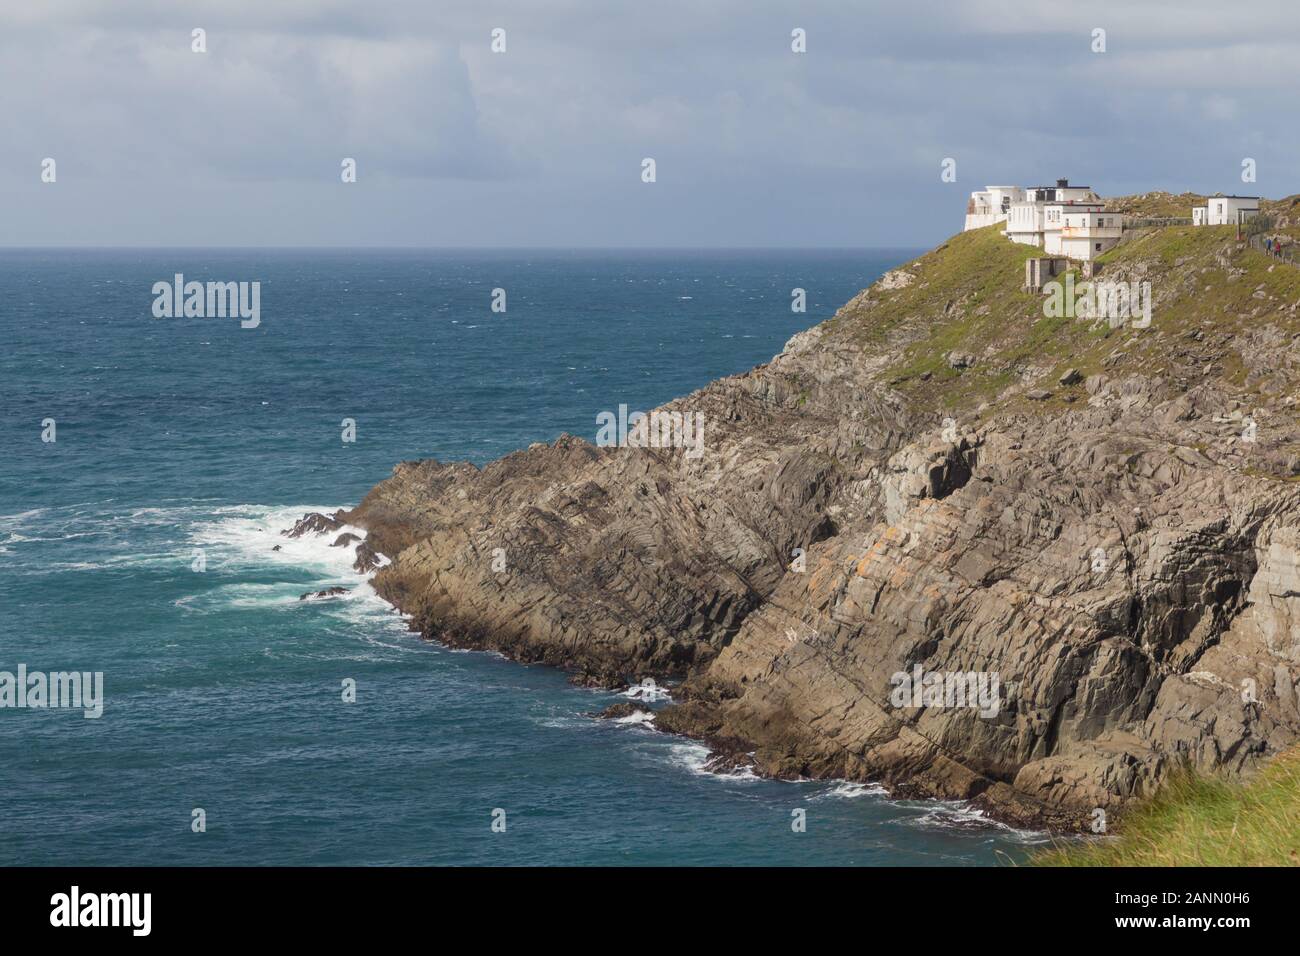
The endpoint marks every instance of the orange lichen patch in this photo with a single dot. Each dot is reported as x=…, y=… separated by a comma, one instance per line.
x=904, y=571
x=892, y=537
x=824, y=579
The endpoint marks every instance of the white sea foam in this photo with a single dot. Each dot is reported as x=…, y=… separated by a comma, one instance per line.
x=570, y=722
x=245, y=538
x=61, y=537
x=851, y=791
x=694, y=758
x=958, y=814
x=953, y=813
x=648, y=692
x=20, y=519
x=93, y=519
x=234, y=539
x=640, y=718
x=690, y=756
x=254, y=595
x=112, y=562
x=249, y=535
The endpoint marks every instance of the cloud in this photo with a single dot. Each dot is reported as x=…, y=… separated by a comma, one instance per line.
x=542, y=145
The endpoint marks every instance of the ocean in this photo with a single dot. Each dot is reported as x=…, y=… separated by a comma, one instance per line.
x=138, y=543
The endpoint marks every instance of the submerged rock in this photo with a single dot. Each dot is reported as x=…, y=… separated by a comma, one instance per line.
x=622, y=710
x=327, y=593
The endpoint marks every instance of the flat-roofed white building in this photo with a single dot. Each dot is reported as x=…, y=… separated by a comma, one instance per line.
x=1025, y=222
x=1054, y=220
x=990, y=205
x=1061, y=192
x=1199, y=215
x=1062, y=220
x=1080, y=230
x=1227, y=210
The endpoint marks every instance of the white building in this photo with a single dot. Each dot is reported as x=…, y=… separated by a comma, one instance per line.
x=1061, y=192
x=1025, y=222
x=1026, y=219
x=1225, y=211
x=1080, y=230
x=1063, y=220
x=991, y=205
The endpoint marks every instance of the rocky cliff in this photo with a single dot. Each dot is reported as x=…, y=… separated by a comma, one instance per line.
x=939, y=480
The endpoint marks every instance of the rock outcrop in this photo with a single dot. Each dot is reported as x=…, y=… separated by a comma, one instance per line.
x=313, y=523
x=335, y=591
x=1115, y=563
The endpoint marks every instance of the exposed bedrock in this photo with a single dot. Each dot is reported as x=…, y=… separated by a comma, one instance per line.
x=616, y=562
x=1119, y=568
x=1137, y=613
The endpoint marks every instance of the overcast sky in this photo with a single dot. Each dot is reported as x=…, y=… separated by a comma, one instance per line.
x=542, y=145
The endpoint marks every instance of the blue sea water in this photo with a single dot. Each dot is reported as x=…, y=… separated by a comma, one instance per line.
x=223, y=690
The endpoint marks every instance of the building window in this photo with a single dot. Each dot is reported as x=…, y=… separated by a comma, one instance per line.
x=1098, y=247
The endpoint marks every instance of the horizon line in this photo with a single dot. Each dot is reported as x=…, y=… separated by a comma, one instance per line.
x=413, y=248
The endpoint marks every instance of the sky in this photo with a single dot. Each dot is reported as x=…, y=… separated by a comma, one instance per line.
x=542, y=145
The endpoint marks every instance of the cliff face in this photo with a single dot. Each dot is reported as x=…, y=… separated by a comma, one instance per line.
x=1121, y=553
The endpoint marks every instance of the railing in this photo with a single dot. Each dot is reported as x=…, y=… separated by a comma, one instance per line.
x=1288, y=252
x=1090, y=232
x=1130, y=223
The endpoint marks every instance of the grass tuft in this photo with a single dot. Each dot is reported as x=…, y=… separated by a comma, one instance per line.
x=1203, y=821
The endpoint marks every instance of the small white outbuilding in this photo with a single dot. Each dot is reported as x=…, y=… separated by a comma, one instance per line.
x=1226, y=210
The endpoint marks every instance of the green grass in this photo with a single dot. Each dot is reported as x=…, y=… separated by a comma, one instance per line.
x=1204, y=821
x=966, y=296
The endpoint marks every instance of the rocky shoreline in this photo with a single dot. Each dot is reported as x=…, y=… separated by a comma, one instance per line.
x=1126, y=569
